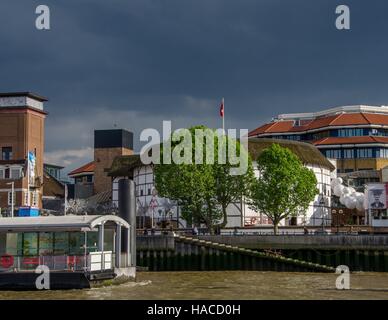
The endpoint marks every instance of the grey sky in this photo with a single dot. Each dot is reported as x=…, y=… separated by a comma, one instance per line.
x=135, y=63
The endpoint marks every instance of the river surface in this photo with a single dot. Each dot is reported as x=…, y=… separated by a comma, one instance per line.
x=251, y=285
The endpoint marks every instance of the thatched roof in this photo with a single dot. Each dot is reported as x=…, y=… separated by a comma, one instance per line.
x=307, y=153
x=122, y=166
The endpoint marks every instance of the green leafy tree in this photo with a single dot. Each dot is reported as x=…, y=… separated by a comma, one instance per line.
x=284, y=188
x=230, y=189
x=191, y=185
x=204, y=190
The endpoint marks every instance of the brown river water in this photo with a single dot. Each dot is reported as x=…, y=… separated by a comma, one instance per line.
x=250, y=285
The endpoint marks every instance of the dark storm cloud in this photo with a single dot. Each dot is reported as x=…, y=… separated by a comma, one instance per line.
x=134, y=63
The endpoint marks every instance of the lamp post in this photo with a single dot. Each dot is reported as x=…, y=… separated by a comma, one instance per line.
x=322, y=205
x=333, y=212
x=65, y=204
x=340, y=212
x=12, y=196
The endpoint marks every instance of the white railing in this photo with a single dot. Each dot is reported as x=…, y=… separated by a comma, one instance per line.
x=100, y=260
x=95, y=261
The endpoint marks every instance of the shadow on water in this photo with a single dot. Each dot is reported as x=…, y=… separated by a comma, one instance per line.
x=356, y=289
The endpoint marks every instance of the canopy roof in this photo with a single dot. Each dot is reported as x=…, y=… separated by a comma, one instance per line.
x=58, y=223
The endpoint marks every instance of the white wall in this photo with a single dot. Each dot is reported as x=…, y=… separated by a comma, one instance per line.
x=146, y=196
x=239, y=214
x=316, y=213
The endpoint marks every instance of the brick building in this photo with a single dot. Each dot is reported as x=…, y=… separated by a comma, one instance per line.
x=92, y=178
x=21, y=131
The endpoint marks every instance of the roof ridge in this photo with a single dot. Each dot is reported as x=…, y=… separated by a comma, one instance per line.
x=80, y=169
x=367, y=120
x=321, y=140
x=336, y=117
x=271, y=125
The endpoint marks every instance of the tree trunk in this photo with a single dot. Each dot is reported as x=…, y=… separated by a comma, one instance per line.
x=225, y=221
x=209, y=226
x=275, y=227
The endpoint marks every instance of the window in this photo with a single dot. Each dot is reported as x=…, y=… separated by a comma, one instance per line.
x=35, y=198
x=6, y=153
x=26, y=199
x=333, y=154
x=46, y=241
x=30, y=243
x=61, y=243
x=348, y=153
x=2, y=173
x=292, y=137
x=293, y=221
x=141, y=192
x=89, y=178
x=6, y=173
x=15, y=173
x=320, y=135
x=364, y=153
x=382, y=153
x=77, y=242
x=350, y=132
x=10, y=198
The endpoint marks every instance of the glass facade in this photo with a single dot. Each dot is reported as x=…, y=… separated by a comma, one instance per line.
x=350, y=132
x=288, y=137
x=365, y=153
x=29, y=244
x=333, y=154
x=356, y=153
x=46, y=241
x=343, y=152
x=55, y=243
x=382, y=153
x=348, y=153
x=343, y=132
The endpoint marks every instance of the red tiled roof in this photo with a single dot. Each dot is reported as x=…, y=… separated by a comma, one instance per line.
x=376, y=118
x=343, y=119
x=278, y=126
x=350, y=140
x=89, y=167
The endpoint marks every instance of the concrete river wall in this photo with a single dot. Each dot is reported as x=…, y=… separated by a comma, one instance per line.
x=180, y=253
x=302, y=253
x=358, y=252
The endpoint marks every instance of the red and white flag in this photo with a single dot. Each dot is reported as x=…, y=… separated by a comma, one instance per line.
x=222, y=108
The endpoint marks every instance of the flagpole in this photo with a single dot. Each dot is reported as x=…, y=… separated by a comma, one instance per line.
x=223, y=116
x=28, y=179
